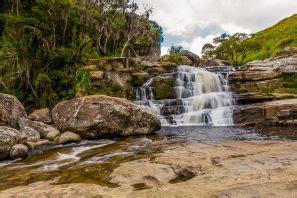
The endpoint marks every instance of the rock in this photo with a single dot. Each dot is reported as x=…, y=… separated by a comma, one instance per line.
x=254, y=75
x=39, y=144
x=267, y=113
x=255, y=97
x=29, y=134
x=185, y=61
x=41, y=115
x=192, y=57
x=182, y=60
x=46, y=131
x=286, y=65
x=138, y=79
x=69, y=137
x=19, y=151
x=249, y=115
x=149, y=64
x=273, y=109
x=11, y=110
x=96, y=75
x=8, y=138
x=90, y=67
x=265, y=86
x=213, y=62
x=94, y=116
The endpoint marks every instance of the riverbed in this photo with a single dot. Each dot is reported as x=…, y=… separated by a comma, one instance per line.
x=176, y=161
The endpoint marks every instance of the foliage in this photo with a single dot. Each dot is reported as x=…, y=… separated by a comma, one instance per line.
x=274, y=39
x=44, y=43
x=175, y=54
x=241, y=48
x=163, y=88
x=234, y=49
x=290, y=82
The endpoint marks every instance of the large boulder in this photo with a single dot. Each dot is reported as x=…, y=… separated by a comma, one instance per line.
x=94, y=116
x=19, y=151
x=29, y=134
x=213, y=62
x=41, y=115
x=69, y=137
x=8, y=138
x=11, y=110
x=46, y=131
x=192, y=57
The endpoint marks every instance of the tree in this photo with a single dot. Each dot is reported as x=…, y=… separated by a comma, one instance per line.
x=234, y=48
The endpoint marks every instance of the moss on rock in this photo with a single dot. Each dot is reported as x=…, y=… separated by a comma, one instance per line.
x=163, y=88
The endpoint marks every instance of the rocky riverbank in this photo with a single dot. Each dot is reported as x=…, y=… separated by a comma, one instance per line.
x=220, y=169
x=261, y=90
x=69, y=122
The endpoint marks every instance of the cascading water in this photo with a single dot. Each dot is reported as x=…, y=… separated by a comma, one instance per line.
x=202, y=98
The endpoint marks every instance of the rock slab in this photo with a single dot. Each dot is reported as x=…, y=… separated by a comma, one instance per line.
x=11, y=110
x=95, y=116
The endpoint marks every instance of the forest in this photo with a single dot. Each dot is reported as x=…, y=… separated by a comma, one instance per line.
x=44, y=43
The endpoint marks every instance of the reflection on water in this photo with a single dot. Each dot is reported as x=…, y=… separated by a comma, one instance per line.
x=94, y=161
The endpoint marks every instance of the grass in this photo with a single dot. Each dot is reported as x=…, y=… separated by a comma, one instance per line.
x=275, y=39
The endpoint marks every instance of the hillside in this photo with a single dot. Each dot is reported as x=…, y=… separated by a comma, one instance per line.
x=275, y=39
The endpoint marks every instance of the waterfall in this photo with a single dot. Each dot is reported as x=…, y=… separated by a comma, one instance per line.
x=202, y=98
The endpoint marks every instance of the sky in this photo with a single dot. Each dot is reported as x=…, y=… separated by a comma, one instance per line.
x=192, y=23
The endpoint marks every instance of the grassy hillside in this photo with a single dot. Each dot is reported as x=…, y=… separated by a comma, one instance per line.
x=275, y=39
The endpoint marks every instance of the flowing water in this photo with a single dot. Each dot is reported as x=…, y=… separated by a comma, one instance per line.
x=201, y=98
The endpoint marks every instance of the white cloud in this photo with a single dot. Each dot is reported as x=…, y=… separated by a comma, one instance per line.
x=164, y=50
x=188, y=19
x=199, y=42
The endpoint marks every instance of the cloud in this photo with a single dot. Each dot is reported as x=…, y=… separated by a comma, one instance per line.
x=193, y=21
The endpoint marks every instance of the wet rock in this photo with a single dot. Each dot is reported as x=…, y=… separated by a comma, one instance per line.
x=249, y=115
x=39, y=144
x=29, y=134
x=69, y=137
x=19, y=151
x=11, y=110
x=46, y=131
x=8, y=138
x=192, y=57
x=213, y=62
x=41, y=115
x=99, y=115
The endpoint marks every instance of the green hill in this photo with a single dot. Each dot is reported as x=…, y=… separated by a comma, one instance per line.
x=275, y=39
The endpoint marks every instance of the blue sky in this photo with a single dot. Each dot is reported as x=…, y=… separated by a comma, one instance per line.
x=192, y=23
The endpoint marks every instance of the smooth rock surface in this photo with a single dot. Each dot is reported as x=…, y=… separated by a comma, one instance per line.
x=41, y=115
x=69, y=137
x=225, y=169
x=19, y=151
x=11, y=110
x=39, y=144
x=46, y=131
x=29, y=134
x=94, y=116
x=8, y=138
x=192, y=57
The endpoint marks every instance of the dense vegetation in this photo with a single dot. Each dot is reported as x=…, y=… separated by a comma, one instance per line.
x=241, y=48
x=43, y=44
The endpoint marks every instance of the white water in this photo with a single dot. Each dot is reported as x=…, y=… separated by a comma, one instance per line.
x=202, y=98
